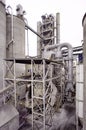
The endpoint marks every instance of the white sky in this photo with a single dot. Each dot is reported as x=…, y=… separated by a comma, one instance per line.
x=71, y=14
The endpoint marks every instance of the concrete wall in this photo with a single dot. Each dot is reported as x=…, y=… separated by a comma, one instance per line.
x=84, y=63
x=2, y=40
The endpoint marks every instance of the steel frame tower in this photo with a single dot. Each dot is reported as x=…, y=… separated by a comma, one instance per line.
x=46, y=29
x=41, y=88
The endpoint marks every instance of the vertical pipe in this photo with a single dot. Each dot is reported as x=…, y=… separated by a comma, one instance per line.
x=15, y=84
x=38, y=39
x=11, y=23
x=27, y=44
x=70, y=60
x=70, y=64
x=69, y=86
x=12, y=37
x=32, y=90
x=44, y=127
x=57, y=28
x=84, y=64
x=51, y=76
x=4, y=62
x=27, y=39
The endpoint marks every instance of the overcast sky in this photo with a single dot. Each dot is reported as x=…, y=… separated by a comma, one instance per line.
x=71, y=14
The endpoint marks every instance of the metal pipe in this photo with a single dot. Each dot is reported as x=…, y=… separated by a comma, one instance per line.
x=70, y=63
x=38, y=39
x=57, y=28
x=70, y=60
x=12, y=39
x=11, y=21
x=27, y=42
x=28, y=27
x=51, y=47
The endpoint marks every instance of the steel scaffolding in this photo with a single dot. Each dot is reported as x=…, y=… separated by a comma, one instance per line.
x=41, y=78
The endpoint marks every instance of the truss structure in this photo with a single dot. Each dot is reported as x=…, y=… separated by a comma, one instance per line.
x=41, y=76
x=47, y=30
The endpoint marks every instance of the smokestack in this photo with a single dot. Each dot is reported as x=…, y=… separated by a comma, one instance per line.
x=57, y=28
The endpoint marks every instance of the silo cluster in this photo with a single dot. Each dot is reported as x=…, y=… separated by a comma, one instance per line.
x=12, y=37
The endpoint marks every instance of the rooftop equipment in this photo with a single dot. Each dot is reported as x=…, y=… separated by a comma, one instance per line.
x=19, y=11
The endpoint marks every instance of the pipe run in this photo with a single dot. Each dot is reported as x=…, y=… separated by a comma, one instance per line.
x=12, y=36
x=59, y=47
x=9, y=7
x=28, y=27
x=70, y=64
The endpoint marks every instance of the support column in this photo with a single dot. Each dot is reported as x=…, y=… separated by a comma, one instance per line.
x=57, y=28
x=38, y=39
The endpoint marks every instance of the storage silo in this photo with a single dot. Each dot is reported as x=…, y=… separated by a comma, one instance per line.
x=15, y=40
x=84, y=72
x=2, y=39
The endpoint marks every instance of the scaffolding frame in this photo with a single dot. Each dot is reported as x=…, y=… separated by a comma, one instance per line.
x=41, y=103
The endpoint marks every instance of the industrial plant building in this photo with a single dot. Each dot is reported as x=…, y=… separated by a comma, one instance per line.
x=45, y=92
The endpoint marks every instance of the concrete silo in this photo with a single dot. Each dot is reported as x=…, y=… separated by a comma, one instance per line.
x=15, y=44
x=15, y=39
x=84, y=72
x=2, y=39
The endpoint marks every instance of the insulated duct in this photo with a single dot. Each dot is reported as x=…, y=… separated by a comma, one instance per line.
x=70, y=64
x=59, y=47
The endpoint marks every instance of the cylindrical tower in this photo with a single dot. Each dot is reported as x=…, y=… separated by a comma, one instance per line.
x=84, y=71
x=2, y=39
x=15, y=38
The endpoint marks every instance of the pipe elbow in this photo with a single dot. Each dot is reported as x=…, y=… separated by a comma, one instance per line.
x=67, y=45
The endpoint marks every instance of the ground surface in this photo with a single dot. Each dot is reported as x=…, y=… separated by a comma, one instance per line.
x=54, y=124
